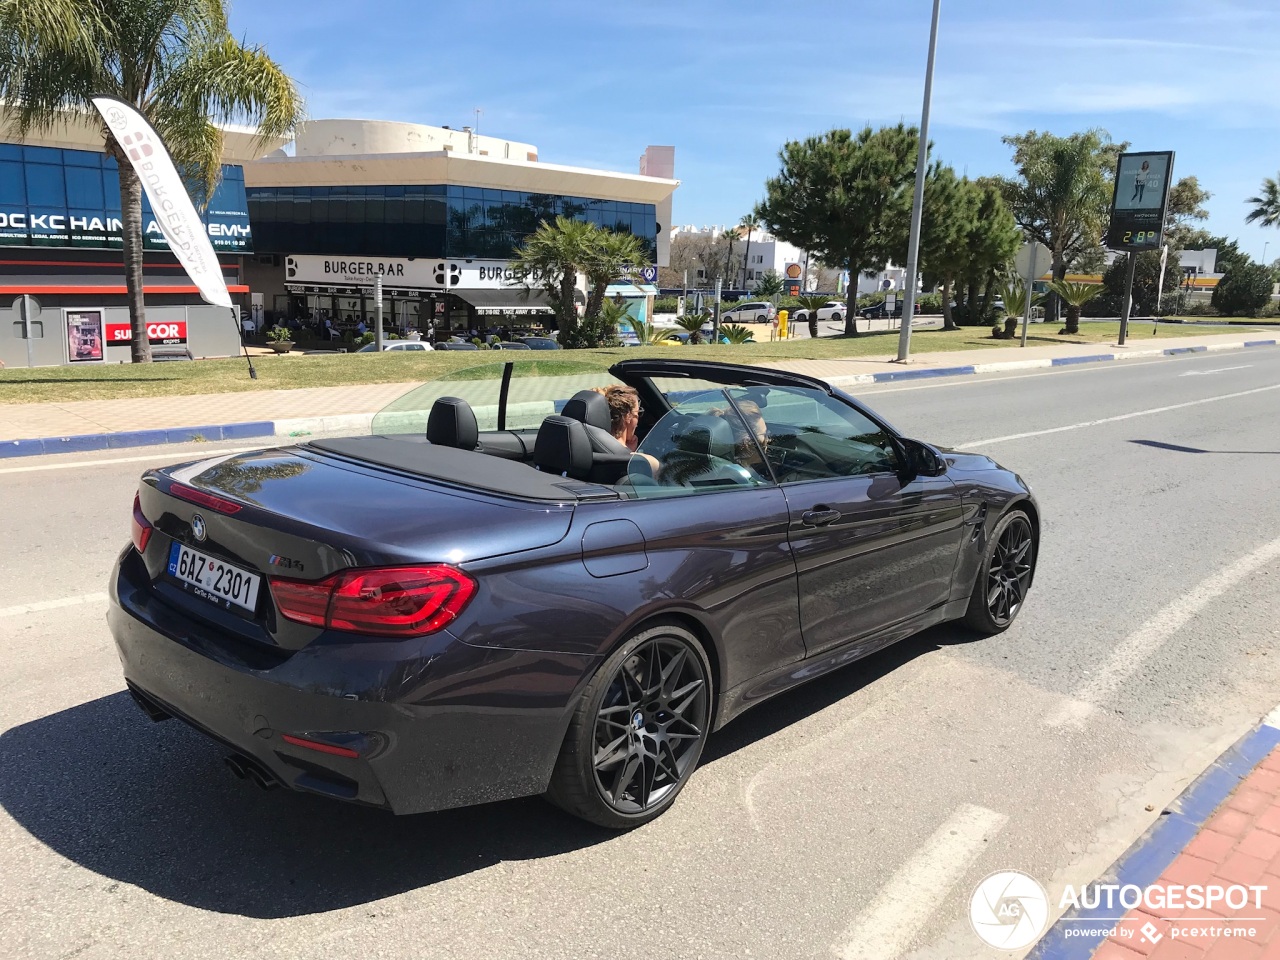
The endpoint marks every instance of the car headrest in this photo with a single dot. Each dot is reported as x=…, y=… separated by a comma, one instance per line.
x=589, y=407
x=708, y=435
x=604, y=443
x=562, y=446
x=452, y=423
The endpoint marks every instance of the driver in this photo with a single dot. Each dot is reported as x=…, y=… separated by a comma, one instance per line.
x=749, y=442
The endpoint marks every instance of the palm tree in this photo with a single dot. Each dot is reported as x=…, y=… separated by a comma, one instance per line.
x=736, y=333
x=752, y=223
x=173, y=60
x=611, y=258
x=730, y=236
x=692, y=324
x=647, y=333
x=1014, y=295
x=604, y=329
x=769, y=285
x=1266, y=205
x=812, y=305
x=550, y=258
x=1074, y=295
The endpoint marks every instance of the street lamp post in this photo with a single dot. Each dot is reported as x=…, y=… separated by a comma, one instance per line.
x=922, y=163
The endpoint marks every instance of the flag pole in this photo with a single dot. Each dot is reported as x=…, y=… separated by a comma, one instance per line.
x=235, y=318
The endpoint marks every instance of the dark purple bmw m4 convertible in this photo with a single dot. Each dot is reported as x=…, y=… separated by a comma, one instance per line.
x=493, y=596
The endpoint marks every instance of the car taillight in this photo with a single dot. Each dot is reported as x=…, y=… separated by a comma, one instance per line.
x=381, y=601
x=140, y=528
x=192, y=495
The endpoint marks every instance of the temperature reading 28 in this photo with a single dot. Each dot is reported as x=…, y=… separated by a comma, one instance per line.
x=1140, y=238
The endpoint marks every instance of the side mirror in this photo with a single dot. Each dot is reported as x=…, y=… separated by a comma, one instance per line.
x=923, y=460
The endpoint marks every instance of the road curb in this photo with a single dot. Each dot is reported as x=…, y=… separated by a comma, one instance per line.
x=362, y=422
x=87, y=442
x=923, y=374
x=314, y=426
x=1179, y=823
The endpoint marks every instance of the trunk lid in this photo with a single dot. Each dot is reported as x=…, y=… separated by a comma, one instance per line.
x=301, y=514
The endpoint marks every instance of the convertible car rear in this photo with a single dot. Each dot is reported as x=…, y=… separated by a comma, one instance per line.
x=493, y=597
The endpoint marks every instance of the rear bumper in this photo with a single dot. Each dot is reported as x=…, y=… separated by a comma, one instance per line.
x=437, y=723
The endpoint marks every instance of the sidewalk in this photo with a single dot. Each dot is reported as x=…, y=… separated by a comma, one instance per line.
x=42, y=428
x=1223, y=835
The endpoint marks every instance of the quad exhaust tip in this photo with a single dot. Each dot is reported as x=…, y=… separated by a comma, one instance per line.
x=246, y=769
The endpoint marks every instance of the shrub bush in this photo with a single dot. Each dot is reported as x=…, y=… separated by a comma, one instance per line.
x=929, y=303
x=665, y=304
x=1197, y=308
x=1244, y=291
x=965, y=316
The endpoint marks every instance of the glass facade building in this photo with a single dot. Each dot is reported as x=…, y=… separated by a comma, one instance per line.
x=453, y=222
x=57, y=197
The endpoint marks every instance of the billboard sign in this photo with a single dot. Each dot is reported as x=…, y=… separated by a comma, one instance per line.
x=160, y=333
x=1139, y=201
x=84, y=336
x=70, y=198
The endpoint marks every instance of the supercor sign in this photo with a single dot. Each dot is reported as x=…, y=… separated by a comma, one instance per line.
x=158, y=333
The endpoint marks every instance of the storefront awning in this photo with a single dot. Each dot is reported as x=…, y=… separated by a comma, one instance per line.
x=631, y=290
x=509, y=301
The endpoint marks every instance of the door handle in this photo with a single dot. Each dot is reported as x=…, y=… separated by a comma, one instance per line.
x=819, y=517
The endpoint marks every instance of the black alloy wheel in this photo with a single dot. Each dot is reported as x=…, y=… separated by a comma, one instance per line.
x=638, y=731
x=1005, y=576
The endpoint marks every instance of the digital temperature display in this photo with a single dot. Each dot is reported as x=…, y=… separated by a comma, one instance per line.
x=1138, y=203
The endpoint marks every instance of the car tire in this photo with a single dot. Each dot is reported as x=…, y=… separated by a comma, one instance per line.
x=836, y=317
x=1008, y=566
x=637, y=732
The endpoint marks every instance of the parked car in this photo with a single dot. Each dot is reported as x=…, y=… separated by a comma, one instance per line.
x=397, y=346
x=540, y=343
x=456, y=345
x=756, y=311
x=437, y=615
x=682, y=336
x=509, y=345
x=880, y=311
x=832, y=310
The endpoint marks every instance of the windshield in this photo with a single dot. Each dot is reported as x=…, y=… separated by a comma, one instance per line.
x=531, y=397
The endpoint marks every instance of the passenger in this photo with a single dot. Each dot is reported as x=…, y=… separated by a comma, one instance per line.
x=624, y=417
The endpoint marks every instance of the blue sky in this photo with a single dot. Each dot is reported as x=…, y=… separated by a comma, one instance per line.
x=593, y=83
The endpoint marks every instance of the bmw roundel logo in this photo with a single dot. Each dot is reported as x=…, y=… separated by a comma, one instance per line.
x=198, y=529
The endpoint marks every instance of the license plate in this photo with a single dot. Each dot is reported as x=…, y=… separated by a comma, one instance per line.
x=215, y=580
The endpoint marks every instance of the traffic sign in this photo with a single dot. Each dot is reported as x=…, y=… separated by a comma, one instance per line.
x=1032, y=261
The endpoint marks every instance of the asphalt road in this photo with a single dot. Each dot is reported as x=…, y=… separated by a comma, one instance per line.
x=852, y=818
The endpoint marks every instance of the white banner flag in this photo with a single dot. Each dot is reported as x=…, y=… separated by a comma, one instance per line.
x=174, y=211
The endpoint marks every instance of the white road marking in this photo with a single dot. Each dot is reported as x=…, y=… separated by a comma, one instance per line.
x=1205, y=373
x=987, y=377
x=158, y=455
x=40, y=605
x=1148, y=638
x=886, y=928
x=1116, y=419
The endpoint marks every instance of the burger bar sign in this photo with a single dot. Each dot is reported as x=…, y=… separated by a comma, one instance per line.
x=403, y=272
